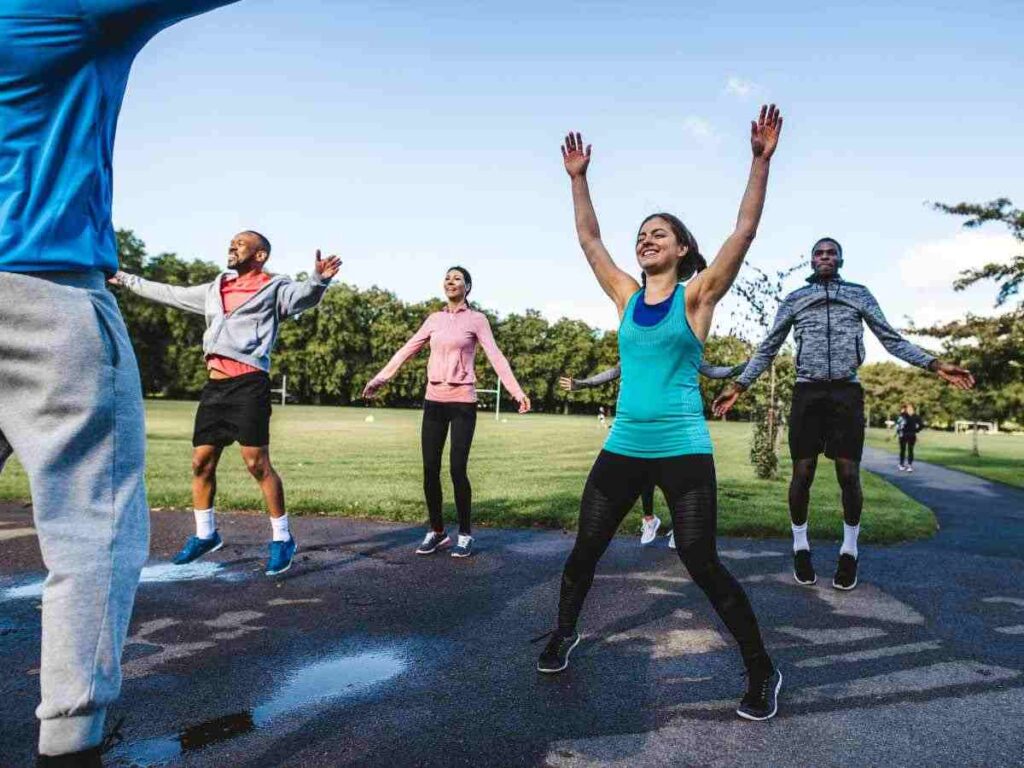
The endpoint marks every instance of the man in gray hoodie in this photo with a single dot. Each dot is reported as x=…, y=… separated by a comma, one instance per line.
x=827, y=316
x=243, y=308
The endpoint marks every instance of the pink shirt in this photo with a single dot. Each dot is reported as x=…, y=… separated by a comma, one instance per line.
x=235, y=291
x=453, y=337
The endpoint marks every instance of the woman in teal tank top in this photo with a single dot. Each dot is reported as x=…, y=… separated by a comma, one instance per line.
x=659, y=434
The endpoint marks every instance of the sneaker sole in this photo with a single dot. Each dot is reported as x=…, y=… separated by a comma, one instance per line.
x=842, y=588
x=458, y=554
x=810, y=583
x=443, y=545
x=770, y=715
x=564, y=666
x=207, y=552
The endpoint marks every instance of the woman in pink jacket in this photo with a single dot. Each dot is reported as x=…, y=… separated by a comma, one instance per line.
x=453, y=334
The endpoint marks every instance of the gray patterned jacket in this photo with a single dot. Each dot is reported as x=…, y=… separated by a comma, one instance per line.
x=826, y=317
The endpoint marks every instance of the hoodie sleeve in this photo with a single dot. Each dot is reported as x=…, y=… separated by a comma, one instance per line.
x=598, y=379
x=482, y=329
x=297, y=296
x=709, y=371
x=410, y=348
x=889, y=336
x=191, y=298
x=769, y=348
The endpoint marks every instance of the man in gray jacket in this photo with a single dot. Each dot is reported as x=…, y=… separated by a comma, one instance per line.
x=827, y=415
x=243, y=308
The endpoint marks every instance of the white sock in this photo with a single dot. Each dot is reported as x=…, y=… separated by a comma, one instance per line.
x=280, y=526
x=800, y=537
x=205, y=525
x=850, y=534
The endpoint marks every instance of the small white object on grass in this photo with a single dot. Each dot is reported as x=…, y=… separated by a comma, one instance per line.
x=369, y=419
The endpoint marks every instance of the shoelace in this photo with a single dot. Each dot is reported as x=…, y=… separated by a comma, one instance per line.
x=464, y=540
x=765, y=685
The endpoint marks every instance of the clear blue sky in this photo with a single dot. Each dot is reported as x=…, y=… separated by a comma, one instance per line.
x=410, y=136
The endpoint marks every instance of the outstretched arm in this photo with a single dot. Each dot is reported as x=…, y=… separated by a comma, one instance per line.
x=709, y=371
x=570, y=384
x=482, y=329
x=705, y=291
x=909, y=352
x=141, y=19
x=410, y=348
x=299, y=295
x=191, y=298
x=619, y=285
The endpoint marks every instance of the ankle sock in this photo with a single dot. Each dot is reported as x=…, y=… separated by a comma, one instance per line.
x=800, y=537
x=206, y=525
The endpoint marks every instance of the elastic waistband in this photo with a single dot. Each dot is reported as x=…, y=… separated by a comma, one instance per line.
x=93, y=280
x=834, y=384
x=241, y=379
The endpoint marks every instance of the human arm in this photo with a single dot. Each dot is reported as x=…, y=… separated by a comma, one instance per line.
x=482, y=330
x=705, y=291
x=617, y=284
x=410, y=348
x=141, y=19
x=596, y=380
x=190, y=298
x=297, y=296
x=909, y=352
x=709, y=371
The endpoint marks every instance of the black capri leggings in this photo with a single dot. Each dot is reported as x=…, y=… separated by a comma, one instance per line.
x=690, y=489
x=436, y=419
x=907, y=450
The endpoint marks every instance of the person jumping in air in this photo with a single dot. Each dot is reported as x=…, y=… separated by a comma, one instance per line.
x=659, y=433
x=908, y=425
x=651, y=523
x=827, y=415
x=70, y=396
x=243, y=307
x=453, y=334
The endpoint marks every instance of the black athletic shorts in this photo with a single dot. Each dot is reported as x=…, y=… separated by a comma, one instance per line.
x=234, y=409
x=827, y=417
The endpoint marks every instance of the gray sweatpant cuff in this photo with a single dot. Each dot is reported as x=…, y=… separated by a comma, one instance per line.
x=63, y=735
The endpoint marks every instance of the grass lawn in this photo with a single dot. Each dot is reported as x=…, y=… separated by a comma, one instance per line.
x=1002, y=455
x=526, y=471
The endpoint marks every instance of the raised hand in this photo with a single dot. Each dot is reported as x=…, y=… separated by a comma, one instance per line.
x=725, y=401
x=566, y=383
x=959, y=377
x=327, y=268
x=575, y=157
x=765, y=131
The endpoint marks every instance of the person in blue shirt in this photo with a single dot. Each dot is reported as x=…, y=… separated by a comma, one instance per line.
x=70, y=397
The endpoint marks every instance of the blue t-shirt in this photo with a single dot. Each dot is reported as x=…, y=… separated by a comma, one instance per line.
x=63, y=70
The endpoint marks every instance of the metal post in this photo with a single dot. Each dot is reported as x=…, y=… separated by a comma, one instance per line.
x=497, y=404
x=284, y=391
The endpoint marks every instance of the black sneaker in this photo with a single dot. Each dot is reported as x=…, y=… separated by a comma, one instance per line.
x=846, y=573
x=803, y=568
x=761, y=701
x=432, y=542
x=556, y=655
x=90, y=758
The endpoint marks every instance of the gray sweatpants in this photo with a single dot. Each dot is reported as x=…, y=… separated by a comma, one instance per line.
x=71, y=410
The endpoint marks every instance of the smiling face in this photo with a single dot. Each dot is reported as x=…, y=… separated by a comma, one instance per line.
x=658, y=249
x=455, y=288
x=825, y=258
x=247, y=252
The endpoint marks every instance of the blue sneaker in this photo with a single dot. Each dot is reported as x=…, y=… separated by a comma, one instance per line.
x=195, y=548
x=464, y=548
x=281, y=554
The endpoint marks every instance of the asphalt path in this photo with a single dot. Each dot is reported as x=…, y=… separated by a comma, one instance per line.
x=365, y=654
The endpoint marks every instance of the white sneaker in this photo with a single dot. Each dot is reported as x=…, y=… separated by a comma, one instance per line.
x=910, y=468
x=648, y=530
x=672, y=540
x=902, y=468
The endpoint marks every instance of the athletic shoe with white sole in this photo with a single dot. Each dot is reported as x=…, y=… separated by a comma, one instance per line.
x=672, y=540
x=195, y=548
x=464, y=548
x=281, y=554
x=555, y=657
x=648, y=530
x=803, y=568
x=910, y=468
x=761, y=701
x=432, y=542
x=846, y=573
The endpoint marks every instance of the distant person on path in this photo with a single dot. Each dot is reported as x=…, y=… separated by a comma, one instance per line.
x=827, y=416
x=908, y=424
x=651, y=523
x=70, y=396
x=660, y=433
x=243, y=307
x=453, y=334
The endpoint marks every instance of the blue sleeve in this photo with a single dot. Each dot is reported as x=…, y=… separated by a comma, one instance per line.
x=142, y=19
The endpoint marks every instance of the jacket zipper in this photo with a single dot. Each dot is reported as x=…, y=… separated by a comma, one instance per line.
x=828, y=332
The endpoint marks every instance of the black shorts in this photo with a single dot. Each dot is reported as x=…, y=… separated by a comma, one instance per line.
x=234, y=409
x=827, y=417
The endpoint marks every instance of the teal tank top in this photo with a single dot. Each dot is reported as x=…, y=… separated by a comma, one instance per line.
x=660, y=412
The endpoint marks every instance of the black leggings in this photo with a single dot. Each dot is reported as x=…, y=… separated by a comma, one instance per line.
x=436, y=419
x=647, y=499
x=689, y=485
x=907, y=451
